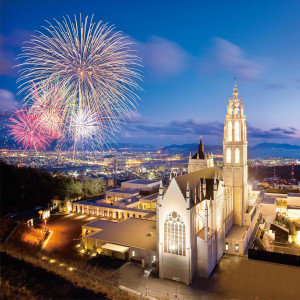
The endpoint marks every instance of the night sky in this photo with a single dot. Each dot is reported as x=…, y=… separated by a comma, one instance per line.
x=191, y=51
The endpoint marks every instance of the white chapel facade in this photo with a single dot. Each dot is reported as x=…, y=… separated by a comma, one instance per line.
x=205, y=213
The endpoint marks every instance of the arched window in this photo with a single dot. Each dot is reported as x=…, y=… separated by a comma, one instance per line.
x=236, y=131
x=228, y=155
x=237, y=155
x=174, y=234
x=229, y=131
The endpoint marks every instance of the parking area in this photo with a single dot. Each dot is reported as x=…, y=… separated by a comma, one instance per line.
x=66, y=232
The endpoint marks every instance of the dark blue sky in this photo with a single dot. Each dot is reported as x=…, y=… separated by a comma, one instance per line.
x=191, y=50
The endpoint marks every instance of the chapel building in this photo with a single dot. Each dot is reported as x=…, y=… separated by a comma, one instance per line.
x=205, y=213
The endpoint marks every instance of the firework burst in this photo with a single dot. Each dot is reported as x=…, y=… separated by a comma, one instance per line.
x=46, y=108
x=91, y=68
x=84, y=125
x=26, y=130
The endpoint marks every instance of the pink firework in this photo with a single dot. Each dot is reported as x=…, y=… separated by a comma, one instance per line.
x=26, y=130
x=45, y=107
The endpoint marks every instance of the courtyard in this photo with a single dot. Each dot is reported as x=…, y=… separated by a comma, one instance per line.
x=66, y=230
x=234, y=278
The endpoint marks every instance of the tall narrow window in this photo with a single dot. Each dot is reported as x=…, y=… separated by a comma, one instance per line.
x=230, y=131
x=237, y=155
x=236, y=131
x=228, y=155
x=174, y=234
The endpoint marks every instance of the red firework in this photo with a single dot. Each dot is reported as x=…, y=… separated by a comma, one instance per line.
x=26, y=130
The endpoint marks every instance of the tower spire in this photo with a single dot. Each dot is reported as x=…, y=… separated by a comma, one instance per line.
x=235, y=88
x=235, y=156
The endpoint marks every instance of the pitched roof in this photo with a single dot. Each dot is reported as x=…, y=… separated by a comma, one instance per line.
x=200, y=152
x=195, y=178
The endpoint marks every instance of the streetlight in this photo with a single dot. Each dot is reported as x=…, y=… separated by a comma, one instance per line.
x=176, y=279
x=147, y=273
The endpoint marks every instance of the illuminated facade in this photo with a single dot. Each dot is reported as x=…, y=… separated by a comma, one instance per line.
x=205, y=213
x=235, y=157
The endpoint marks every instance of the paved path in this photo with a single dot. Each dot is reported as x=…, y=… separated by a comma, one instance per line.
x=234, y=278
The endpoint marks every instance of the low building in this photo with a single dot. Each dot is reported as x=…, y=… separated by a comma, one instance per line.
x=287, y=202
x=131, y=238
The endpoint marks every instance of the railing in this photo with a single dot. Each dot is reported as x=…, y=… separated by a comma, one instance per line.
x=44, y=237
x=253, y=235
x=274, y=257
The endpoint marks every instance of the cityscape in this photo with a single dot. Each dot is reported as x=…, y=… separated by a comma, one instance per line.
x=149, y=160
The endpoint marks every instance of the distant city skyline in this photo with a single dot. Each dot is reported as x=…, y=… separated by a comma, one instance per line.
x=191, y=55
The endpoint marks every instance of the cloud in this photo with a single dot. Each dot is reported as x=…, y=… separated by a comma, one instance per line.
x=192, y=128
x=8, y=103
x=229, y=57
x=163, y=58
x=273, y=133
x=176, y=129
x=275, y=86
x=179, y=128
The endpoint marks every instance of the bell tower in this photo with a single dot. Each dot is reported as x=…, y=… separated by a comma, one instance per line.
x=235, y=147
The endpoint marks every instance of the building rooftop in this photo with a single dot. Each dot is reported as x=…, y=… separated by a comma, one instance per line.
x=237, y=232
x=293, y=207
x=195, y=177
x=150, y=197
x=127, y=201
x=282, y=191
x=142, y=181
x=132, y=232
x=125, y=191
x=111, y=206
x=294, y=194
x=98, y=224
x=200, y=153
x=268, y=200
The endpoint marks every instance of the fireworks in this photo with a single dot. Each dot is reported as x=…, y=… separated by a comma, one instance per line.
x=45, y=107
x=84, y=126
x=26, y=130
x=80, y=73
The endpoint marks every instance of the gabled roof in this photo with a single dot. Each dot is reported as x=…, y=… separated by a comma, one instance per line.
x=200, y=152
x=196, y=177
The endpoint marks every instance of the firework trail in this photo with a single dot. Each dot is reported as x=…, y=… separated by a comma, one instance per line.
x=92, y=70
x=26, y=130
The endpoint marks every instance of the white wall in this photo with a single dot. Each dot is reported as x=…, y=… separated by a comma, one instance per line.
x=172, y=265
